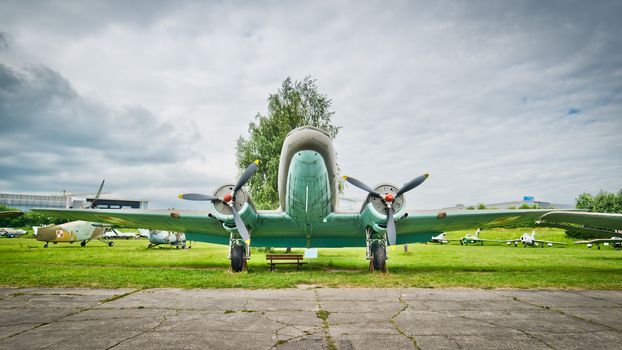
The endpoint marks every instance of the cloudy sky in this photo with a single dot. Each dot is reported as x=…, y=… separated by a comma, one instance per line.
x=496, y=100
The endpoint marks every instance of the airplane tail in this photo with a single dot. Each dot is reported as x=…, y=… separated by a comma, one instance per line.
x=476, y=234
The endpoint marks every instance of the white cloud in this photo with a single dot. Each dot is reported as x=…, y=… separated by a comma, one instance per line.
x=496, y=100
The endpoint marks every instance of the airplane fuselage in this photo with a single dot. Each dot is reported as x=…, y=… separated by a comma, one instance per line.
x=308, y=175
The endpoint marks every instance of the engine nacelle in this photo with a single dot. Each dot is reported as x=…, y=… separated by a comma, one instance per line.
x=241, y=198
x=379, y=205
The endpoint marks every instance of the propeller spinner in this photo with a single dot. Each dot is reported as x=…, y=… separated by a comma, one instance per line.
x=229, y=198
x=388, y=200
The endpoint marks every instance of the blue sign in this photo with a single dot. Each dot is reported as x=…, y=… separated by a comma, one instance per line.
x=528, y=199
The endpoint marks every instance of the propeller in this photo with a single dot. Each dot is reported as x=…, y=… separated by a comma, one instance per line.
x=229, y=198
x=388, y=198
x=99, y=191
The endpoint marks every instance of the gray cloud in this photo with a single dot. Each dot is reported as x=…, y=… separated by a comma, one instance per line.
x=496, y=100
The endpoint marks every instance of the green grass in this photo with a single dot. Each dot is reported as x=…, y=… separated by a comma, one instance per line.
x=25, y=263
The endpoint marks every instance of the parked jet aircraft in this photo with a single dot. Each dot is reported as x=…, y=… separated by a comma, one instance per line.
x=442, y=239
x=11, y=232
x=75, y=231
x=474, y=238
x=615, y=242
x=530, y=239
x=308, y=216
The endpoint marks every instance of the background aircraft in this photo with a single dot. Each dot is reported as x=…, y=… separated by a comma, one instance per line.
x=442, y=239
x=615, y=242
x=307, y=217
x=75, y=231
x=474, y=238
x=157, y=237
x=11, y=232
x=530, y=239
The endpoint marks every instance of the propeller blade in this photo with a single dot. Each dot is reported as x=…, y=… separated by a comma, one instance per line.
x=362, y=186
x=198, y=197
x=239, y=224
x=97, y=195
x=391, y=231
x=412, y=184
x=247, y=175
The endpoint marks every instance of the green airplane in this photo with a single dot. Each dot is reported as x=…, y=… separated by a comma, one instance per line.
x=308, y=215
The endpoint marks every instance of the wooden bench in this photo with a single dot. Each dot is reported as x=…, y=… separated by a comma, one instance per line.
x=284, y=259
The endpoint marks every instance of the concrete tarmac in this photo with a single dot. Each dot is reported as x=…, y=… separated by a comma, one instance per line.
x=309, y=318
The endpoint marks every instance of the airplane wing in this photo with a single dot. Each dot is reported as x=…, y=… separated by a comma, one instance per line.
x=600, y=240
x=206, y=227
x=602, y=223
x=420, y=226
x=547, y=242
x=10, y=214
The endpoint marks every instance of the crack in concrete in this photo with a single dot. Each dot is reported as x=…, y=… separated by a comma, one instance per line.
x=566, y=314
x=164, y=318
x=330, y=342
x=61, y=318
x=508, y=327
x=397, y=327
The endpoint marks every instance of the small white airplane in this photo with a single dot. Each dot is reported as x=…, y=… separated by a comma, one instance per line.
x=11, y=232
x=442, y=239
x=530, y=240
x=615, y=242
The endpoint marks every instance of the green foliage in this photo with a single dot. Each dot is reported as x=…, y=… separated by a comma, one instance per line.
x=524, y=206
x=585, y=201
x=603, y=202
x=25, y=263
x=470, y=207
x=512, y=207
x=295, y=104
x=481, y=206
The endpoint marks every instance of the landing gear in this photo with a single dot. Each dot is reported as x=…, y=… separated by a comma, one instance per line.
x=83, y=243
x=376, y=252
x=378, y=260
x=239, y=253
x=45, y=245
x=111, y=244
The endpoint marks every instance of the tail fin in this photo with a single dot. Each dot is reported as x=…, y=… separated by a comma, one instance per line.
x=476, y=234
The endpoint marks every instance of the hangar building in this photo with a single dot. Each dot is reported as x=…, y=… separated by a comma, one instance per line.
x=26, y=202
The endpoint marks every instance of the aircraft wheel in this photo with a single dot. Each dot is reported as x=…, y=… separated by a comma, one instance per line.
x=83, y=243
x=183, y=245
x=238, y=254
x=379, y=256
x=45, y=245
x=110, y=244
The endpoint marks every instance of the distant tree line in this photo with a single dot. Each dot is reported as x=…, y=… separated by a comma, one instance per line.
x=603, y=202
